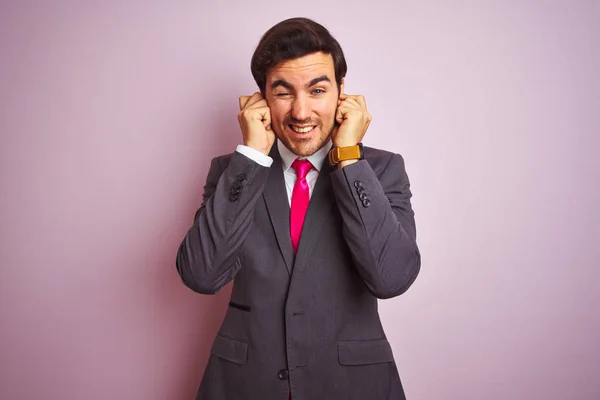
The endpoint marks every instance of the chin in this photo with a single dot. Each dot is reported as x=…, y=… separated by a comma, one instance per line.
x=303, y=147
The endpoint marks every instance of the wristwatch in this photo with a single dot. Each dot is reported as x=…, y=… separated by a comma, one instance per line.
x=338, y=154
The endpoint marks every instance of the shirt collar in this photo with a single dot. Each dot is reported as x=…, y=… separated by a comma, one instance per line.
x=317, y=159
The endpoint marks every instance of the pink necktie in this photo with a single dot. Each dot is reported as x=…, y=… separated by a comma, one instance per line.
x=300, y=199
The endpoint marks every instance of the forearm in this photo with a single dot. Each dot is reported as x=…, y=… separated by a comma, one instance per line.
x=208, y=257
x=378, y=225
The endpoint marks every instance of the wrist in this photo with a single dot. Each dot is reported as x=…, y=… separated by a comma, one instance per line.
x=344, y=143
x=257, y=156
x=345, y=163
x=256, y=147
x=339, y=155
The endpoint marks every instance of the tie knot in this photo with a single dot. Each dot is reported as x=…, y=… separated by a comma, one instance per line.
x=302, y=167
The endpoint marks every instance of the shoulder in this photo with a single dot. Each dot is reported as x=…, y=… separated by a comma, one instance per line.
x=381, y=160
x=371, y=153
x=221, y=161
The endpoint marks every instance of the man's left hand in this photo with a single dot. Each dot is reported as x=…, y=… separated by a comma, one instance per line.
x=354, y=119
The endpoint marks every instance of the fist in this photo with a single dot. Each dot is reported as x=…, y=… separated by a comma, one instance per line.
x=354, y=119
x=255, y=122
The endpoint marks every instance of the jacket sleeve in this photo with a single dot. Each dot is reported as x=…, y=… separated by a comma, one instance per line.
x=208, y=257
x=379, y=225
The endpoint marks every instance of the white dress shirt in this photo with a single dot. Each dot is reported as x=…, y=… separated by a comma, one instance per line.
x=287, y=158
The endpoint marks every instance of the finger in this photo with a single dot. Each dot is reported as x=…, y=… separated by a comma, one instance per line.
x=265, y=115
x=267, y=123
x=257, y=105
x=352, y=103
x=361, y=101
x=341, y=98
x=244, y=101
x=255, y=98
x=344, y=109
x=339, y=115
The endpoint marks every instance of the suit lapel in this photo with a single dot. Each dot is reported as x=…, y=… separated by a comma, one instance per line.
x=278, y=207
x=319, y=209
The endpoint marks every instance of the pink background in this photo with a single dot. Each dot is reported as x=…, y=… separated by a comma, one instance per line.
x=111, y=110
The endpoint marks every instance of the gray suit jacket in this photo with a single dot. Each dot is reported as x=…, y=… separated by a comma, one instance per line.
x=305, y=324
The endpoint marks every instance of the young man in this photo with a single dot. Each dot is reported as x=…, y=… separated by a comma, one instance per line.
x=311, y=227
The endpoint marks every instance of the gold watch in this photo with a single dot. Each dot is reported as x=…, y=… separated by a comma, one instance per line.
x=338, y=154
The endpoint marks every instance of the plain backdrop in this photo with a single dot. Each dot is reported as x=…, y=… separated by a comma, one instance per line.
x=110, y=112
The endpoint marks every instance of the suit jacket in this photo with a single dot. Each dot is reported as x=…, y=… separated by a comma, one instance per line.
x=305, y=324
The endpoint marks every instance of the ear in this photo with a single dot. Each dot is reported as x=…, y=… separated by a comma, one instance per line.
x=342, y=87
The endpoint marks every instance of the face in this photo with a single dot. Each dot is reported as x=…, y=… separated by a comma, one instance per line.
x=303, y=97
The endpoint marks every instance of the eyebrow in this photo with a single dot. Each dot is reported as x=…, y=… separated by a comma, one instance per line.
x=322, y=78
x=287, y=85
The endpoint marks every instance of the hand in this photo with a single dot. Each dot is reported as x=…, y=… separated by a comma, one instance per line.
x=354, y=119
x=255, y=121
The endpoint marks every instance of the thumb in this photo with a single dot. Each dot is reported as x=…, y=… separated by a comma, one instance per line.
x=339, y=116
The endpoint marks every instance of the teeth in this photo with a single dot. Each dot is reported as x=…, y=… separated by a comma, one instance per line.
x=302, y=130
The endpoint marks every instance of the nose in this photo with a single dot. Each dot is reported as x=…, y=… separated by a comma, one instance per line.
x=300, y=108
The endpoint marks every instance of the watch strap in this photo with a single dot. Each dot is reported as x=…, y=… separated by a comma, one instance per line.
x=338, y=154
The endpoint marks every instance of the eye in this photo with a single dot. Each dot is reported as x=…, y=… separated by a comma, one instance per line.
x=318, y=91
x=282, y=94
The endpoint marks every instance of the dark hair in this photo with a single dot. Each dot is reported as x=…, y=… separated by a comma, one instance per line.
x=291, y=39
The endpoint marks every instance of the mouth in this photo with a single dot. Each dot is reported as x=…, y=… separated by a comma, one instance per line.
x=302, y=130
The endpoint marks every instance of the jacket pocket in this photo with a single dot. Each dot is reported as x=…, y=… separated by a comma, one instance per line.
x=230, y=349
x=365, y=352
x=240, y=306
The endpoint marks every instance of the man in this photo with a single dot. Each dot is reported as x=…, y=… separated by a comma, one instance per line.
x=311, y=227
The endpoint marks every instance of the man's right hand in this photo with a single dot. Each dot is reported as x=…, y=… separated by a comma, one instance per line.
x=255, y=121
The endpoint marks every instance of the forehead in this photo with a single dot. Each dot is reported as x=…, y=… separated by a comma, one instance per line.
x=301, y=70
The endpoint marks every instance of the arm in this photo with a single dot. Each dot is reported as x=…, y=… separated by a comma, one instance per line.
x=379, y=225
x=208, y=257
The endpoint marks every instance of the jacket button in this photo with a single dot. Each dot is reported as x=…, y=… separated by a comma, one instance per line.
x=241, y=177
x=283, y=374
x=357, y=184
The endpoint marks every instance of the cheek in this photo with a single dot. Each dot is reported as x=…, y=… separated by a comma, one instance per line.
x=326, y=113
x=279, y=112
x=326, y=109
